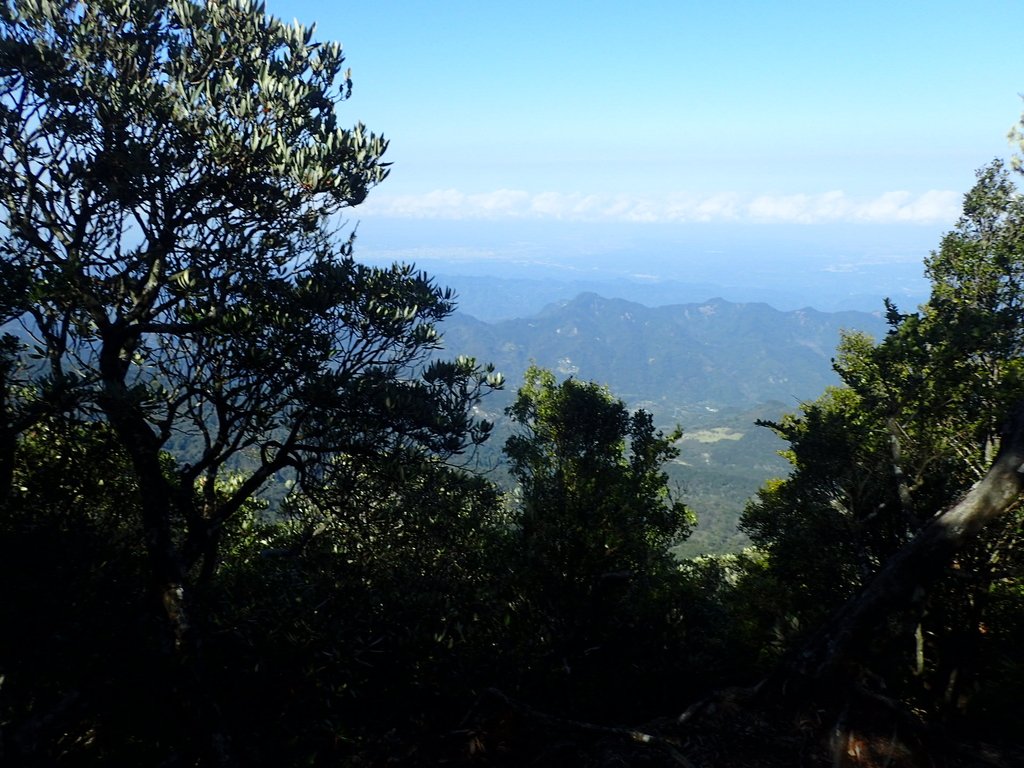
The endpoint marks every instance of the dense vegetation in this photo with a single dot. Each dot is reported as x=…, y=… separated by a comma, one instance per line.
x=186, y=337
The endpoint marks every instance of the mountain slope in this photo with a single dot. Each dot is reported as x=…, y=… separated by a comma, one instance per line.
x=715, y=353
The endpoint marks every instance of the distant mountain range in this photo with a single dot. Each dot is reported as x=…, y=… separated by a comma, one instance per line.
x=715, y=353
x=493, y=298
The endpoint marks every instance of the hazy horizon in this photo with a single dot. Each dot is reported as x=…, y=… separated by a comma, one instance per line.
x=827, y=268
x=804, y=153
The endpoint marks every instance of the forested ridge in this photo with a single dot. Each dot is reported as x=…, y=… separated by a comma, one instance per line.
x=188, y=332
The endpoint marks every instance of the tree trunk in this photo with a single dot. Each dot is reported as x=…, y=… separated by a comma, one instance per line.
x=171, y=594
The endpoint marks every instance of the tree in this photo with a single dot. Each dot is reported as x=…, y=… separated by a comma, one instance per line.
x=170, y=183
x=594, y=524
x=595, y=500
x=897, y=474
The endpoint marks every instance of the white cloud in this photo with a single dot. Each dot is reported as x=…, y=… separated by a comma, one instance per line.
x=715, y=208
x=933, y=206
x=503, y=202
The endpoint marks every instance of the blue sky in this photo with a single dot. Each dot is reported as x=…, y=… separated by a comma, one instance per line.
x=785, y=117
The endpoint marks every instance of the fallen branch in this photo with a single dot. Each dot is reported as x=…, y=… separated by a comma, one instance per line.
x=670, y=745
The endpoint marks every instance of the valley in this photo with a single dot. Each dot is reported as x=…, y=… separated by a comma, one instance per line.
x=714, y=368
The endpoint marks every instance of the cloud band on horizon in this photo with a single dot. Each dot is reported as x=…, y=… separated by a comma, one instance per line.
x=932, y=206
